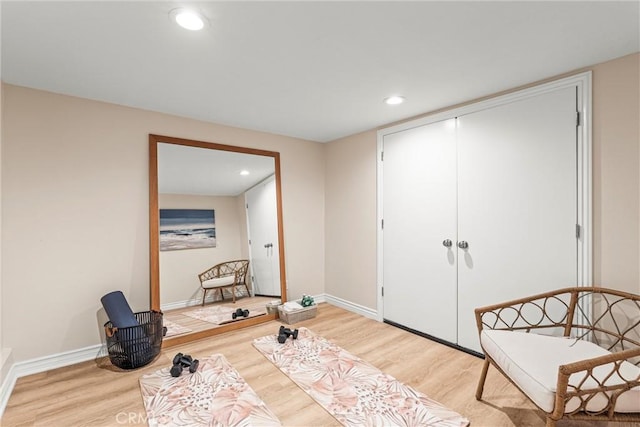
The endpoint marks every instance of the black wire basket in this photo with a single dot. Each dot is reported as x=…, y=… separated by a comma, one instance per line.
x=135, y=346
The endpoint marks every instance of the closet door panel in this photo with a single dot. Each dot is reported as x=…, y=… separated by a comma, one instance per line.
x=517, y=203
x=262, y=228
x=419, y=210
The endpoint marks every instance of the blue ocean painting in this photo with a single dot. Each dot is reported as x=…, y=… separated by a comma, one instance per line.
x=187, y=229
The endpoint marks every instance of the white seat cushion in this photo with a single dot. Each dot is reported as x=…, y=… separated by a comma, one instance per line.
x=531, y=361
x=218, y=281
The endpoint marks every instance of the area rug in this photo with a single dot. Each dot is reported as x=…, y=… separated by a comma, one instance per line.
x=174, y=329
x=353, y=391
x=220, y=314
x=214, y=395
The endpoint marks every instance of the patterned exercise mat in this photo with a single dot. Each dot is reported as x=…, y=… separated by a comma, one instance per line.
x=174, y=329
x=214, y=395
x=221, y=314
x=353, y=391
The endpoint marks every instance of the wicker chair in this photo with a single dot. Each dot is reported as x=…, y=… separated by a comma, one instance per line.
x=584, y=341
x=228, y=274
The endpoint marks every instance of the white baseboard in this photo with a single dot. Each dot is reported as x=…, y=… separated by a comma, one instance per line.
x=180, y=304
x=351, y=306
x=316, y=298
x=7, y=387
x=6, y=362
x=198, y=301
x=59, y=360
x=347, y=305
x=46, y=363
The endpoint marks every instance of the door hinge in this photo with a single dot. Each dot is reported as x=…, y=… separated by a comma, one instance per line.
x=577, y=231
x=383, y=291
x=247, y=205
x=382, y=224
x=382, y=156
x=249, y=241
x=577, y=118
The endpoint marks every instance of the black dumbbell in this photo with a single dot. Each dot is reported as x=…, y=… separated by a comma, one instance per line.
x=181, y=361
x=284, y=333
x=240, y=313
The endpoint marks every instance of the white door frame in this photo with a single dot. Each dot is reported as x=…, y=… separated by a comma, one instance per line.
x=582, y=82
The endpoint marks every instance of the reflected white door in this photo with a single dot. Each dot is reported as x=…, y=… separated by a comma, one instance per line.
x=262, y=219
x=517, y=203
x=419, y=205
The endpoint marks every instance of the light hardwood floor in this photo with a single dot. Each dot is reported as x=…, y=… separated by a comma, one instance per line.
x=254, y=304
x=95, y=393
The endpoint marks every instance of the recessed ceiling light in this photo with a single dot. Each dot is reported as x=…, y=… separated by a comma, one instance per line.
x=244, y=172
x=394, y=100
x=187, y=18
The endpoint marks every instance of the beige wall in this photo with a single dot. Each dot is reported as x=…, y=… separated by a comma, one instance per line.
x=179, y=269
x=350, y=215
x=616, y=173
x=75, y=212
x=350, y=230
x=6, y=358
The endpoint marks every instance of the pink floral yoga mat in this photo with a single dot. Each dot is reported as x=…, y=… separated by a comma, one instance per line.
x=353, y=391
x=214, y=395
x=220, y=314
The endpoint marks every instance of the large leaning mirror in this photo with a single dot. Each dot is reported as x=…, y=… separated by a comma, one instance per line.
x=216, y=236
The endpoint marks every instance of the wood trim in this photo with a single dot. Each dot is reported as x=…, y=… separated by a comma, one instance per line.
x=154, y=230
x=283, y=274
x=211, y=145
x=186, y=338
x=154, y=227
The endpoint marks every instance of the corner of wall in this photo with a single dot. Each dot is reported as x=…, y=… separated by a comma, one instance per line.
x=7, y=377
x=6, y=357
x=350, y=219
x=616, y=173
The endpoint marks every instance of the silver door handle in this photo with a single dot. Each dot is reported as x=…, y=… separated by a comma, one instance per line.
x=463, y=245
x=447, y=243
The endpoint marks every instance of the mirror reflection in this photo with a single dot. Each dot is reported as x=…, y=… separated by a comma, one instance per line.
x=219, y=236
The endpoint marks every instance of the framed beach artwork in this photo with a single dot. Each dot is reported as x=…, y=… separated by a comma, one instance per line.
x=187, y=229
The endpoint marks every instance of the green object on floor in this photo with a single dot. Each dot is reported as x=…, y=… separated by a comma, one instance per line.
x=307, y=300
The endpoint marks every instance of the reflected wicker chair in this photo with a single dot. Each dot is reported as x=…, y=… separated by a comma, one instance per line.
x=574, y=352
x=228, y=274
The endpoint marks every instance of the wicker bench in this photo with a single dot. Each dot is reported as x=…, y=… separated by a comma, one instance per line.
x=574, y=352
x=229, y=274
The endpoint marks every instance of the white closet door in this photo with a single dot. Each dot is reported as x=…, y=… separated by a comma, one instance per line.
x=419, y=208
x=262, y=219
x=517, y=203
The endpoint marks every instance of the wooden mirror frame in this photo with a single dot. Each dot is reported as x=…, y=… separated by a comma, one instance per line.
x=154, y=233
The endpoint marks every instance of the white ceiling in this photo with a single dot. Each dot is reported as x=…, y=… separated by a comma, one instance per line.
x=201, y=171
x=313, y=70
